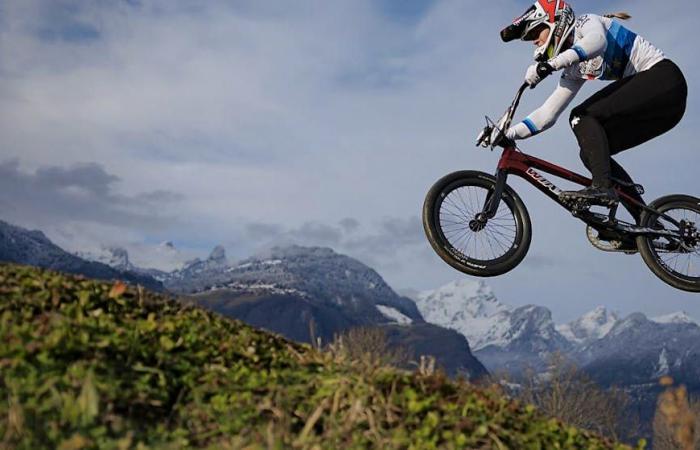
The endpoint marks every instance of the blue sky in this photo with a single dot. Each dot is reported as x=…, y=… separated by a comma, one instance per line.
x=251, y=123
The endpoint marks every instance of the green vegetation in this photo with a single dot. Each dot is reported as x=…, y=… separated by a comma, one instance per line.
x=86, y=364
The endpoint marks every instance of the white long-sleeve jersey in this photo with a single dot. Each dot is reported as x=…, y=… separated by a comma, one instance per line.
x=602, y=49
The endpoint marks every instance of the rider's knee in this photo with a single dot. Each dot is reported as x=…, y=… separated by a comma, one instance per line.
x=575, y=117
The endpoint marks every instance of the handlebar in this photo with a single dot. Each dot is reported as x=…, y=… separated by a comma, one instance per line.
x=504, y=122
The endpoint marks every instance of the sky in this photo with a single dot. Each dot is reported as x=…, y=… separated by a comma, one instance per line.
x=315, y=122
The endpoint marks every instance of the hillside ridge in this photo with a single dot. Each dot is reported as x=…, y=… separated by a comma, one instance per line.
x=109, y=365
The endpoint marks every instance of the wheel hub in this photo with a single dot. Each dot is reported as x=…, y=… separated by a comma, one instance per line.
x=478, y=223
x=690, y=235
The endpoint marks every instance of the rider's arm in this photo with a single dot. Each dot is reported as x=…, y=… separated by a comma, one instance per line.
x=590, y=43
x=546, y=115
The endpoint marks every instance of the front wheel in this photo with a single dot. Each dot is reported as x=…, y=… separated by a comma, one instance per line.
x=675, y=260
x=463, y=238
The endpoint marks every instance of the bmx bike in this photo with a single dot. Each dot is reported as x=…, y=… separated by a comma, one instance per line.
x=480, y=226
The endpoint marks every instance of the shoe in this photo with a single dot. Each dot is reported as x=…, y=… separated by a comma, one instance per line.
x=593, y=194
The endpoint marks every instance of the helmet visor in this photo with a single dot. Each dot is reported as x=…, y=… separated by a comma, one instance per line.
x=534, y=33
x=517, y=28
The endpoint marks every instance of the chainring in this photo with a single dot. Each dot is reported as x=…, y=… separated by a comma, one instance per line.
x=603, y=244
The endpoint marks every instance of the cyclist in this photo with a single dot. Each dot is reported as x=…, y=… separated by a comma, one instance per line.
x=647, y=99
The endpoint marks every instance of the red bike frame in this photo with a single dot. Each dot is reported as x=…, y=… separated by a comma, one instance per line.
x=523, y=165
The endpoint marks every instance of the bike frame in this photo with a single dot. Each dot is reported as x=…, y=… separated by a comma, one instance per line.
x=515, y=162
x=523, y=165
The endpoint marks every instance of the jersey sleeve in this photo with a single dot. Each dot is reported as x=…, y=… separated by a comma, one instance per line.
x=590, y=42
x=546, y=115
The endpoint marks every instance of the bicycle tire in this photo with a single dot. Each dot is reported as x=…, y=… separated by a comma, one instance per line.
x=453, y=256
x=648, y=251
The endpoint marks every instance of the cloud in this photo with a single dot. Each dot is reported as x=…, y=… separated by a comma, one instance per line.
x=349, y=224
x=391, y=235
x=83, y=192
x=381, y=244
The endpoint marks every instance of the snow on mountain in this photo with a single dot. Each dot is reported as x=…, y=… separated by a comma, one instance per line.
x=591, y=326
x=116, y=257
x=164, y=257
x=394, y=314
x=676, y=317
x=662, y=367
x=469, y=307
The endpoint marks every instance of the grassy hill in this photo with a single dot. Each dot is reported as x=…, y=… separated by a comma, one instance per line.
x=87, y=364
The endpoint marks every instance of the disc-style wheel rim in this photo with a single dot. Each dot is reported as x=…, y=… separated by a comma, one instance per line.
x=487, y=242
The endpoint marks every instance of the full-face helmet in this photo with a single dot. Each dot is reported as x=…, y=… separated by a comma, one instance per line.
x=557, y=15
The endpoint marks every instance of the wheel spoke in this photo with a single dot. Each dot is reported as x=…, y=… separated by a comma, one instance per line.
x=496, y=239
x=678, y=262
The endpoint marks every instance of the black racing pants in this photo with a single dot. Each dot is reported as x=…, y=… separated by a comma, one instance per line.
x=627, y=113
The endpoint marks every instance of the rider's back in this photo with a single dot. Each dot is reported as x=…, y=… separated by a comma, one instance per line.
x=609, y=50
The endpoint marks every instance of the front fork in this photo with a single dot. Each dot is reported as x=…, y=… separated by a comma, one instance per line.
x=492, y=202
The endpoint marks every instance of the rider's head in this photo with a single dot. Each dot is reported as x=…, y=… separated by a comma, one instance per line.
x=554, y=16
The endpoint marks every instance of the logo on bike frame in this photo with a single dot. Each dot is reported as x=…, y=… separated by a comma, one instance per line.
x=543, y=181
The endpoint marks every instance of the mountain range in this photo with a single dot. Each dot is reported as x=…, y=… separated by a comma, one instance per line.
x=302, y=293
x=23, y=246
x=309, y=293
x=514, y=339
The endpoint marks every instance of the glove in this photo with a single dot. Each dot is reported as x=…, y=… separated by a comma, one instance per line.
x=544, y=70
x=537, y=72
x=531, y=76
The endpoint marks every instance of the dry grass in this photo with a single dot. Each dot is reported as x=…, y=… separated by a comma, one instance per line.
x=568, y=394
x=677, y=419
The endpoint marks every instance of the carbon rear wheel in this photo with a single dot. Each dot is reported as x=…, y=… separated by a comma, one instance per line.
x=675, y=261
x=463, y=238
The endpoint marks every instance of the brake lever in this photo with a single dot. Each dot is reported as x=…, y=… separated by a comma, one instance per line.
x=485, y=134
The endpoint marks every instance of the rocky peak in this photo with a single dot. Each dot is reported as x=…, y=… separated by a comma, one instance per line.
x=218, y=255
x=120, y=257
x=591, y=326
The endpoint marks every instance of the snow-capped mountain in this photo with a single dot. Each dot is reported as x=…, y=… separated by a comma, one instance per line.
x=200, y=274
x=638, y=350
x=508, y=338
x=116, y=257
x=322, y=274
x=302, y=292
x=676, y=317
x=155, y=260
x=504, y=337
x=470, y=308
x=589, y=327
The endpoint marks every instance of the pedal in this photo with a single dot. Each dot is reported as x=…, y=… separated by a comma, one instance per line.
x=576, y=204
x=582, y=204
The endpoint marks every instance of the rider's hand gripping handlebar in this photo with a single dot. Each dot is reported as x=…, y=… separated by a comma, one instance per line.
x=493, y=134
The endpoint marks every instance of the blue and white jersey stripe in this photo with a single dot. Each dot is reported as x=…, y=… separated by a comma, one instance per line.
x=531, y=126
x=618, y=52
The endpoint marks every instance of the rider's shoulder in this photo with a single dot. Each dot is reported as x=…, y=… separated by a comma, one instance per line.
x=587, y=19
